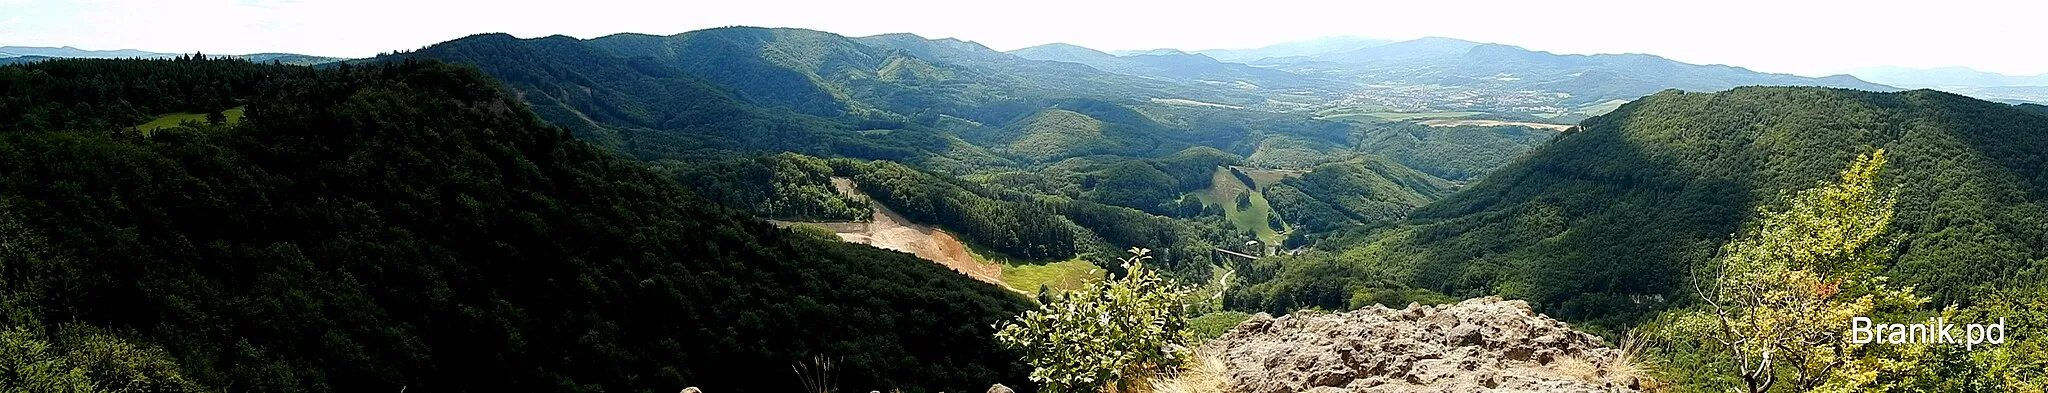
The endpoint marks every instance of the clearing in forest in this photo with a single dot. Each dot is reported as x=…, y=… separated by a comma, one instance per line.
x=234, y=115
x=1223, y=191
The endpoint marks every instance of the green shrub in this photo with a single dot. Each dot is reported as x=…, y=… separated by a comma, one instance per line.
x=85, y=360
x=1114, y=332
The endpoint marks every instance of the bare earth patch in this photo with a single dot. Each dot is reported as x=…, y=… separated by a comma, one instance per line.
x=891, y=231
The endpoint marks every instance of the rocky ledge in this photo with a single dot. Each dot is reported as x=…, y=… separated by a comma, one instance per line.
x=1483, y=344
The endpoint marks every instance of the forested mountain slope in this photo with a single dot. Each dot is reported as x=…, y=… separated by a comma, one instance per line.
x=1366, y=190
x=411, y=227
x=1604, y=221
x=940, y=104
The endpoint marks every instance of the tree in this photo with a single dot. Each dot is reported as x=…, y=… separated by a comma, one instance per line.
x=1779, y=295
x=1108, y=334
x=216, y=118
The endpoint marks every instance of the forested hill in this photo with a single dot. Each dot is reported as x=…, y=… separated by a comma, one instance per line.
x=408, y=227
x=1603, y=222
x=938, y=104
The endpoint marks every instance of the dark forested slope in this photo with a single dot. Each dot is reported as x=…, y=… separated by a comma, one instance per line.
x=409, y=227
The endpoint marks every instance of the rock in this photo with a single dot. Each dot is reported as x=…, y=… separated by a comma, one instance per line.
x=999, y=388
x=1479, y=344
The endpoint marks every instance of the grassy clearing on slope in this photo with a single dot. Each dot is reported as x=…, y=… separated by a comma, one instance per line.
x=175, y=119
x=1060, y=276
x=1602, y=108
x=1223, y=190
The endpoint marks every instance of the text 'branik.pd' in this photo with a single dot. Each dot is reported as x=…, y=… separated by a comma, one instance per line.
x=1862, y=330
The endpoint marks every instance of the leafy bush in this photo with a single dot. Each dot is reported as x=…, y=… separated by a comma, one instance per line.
x=85, y=360
x=1109, y=333
x=1779, y=294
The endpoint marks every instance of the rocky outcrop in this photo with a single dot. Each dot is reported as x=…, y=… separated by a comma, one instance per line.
x=1484, y=344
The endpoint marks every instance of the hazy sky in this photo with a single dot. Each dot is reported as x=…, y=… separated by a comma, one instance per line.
x=1794, y=36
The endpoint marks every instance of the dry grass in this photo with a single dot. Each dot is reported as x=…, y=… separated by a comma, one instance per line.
x=1628, y=368
x=1204, y=374
x=818, y=377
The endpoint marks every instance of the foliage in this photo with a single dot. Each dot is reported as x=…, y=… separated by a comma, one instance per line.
x=1184, y=246
x=103, y=94
x=1016, y=227
x=1133, y=184
x=412, y=225
x=783, y=186
x=85, y=360
x=1111, y=334
x=1323, y=280
x=1778, y=296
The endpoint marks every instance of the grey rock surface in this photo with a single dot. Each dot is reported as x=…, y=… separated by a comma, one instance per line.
x=1478, y=345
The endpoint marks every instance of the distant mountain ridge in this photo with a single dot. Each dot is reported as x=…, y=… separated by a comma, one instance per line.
x=1443, y=74
x=1966, y=81
x=1946, y=76
x=1297, y=48
x=1587, y=79
x=71, y=52
x=1310, y=47
x=23, y=54
x=1183, y=66
x=809, y=91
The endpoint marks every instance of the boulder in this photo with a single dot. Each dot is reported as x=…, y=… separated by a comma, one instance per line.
x=1484, y=344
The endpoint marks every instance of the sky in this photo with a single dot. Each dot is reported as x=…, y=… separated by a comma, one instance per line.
x=1790, y=36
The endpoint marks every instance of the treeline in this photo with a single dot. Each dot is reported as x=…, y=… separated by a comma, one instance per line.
x=1032, y=227
x=104, y=94
x=784, y=186
x=409, y=227
x=1016, y=227
x=1151, y=185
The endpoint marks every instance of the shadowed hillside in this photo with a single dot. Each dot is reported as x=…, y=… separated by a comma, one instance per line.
x=411, y=227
